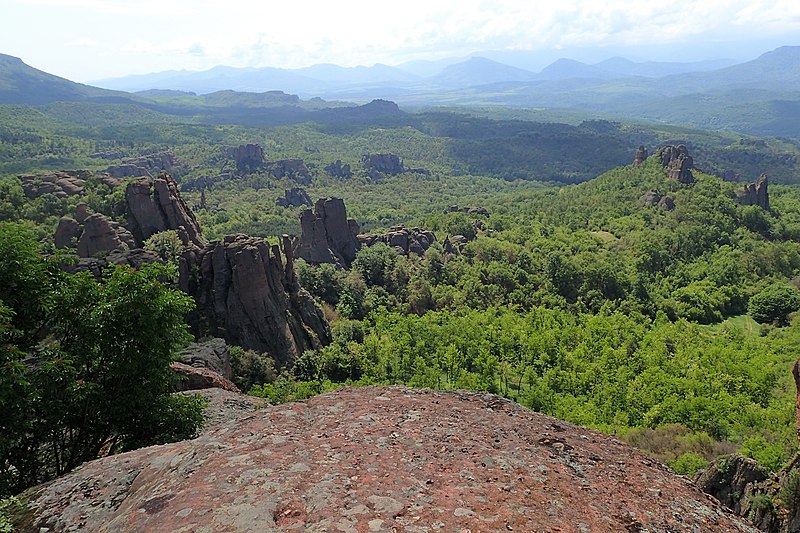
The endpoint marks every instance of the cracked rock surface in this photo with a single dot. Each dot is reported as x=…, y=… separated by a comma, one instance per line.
x=383, y=459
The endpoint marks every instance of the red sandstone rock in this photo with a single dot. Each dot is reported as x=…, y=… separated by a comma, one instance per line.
x=383, y=459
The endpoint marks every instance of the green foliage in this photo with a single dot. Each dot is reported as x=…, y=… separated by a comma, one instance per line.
x=167, y=245
x=790, y=490
x=774, y=303
x=770, y=455
x=689, y=464
x=251, y=368
x=101, y=378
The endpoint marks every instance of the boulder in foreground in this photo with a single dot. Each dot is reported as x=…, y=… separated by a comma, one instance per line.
x=374, y=459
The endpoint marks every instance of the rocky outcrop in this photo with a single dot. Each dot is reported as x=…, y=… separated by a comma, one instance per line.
x=339, y=170
x=62, y=184
x=212, y=354
x=146, y=165
x=290, y=168
x=327, y=236
x=641, y=156
x=388, y=164
x=294, y=197
x=755, y=193
x=667, y=203
x=100, y=234
x=380, y=459
x=403, y=240
x=196, y=378
x=677, y=163
x=246, y=295
x=469, y=210
x=249, y=158
x=652, y=198
x=92, y=234
x=731, y=481
x=155, y=205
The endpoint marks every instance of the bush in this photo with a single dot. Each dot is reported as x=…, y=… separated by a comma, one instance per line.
x=774, y=304
x=689, y=464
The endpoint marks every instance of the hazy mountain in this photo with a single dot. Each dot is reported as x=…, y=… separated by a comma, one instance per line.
x=426, y=68
x=658, y=69
x=23, y=84
x=564, y=69
x=778, y=70
x=479, y=71
x=219, y=78
x=378, y=73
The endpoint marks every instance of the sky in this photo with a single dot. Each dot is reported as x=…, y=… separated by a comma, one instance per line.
x=85, y=40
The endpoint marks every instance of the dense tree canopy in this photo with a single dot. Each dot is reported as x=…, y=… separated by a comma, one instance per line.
x=85, y=365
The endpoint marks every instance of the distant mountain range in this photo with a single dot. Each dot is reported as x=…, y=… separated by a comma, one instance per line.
x=419, y=77
x=760, y=97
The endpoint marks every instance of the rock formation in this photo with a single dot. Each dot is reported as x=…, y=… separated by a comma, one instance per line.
x=290, y=168
x=212, y=354
x=246, y=295
x=677, y=163
x=731, y=481
x=653, y=198
x=295, y=197
x=155, y=205
x=327, y=236
x=196, y=378
x=383, y=163
x=755, y=193
x=100, y=234
x=403, y=240
x=62, y=184
x=92, y=234
x=380, y=459
x=469, y=210
x=146, y=165
x=249, y=158
x=339, y=170
x=641, y=156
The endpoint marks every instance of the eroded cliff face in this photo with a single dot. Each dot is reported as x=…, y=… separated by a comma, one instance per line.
x=327, y=236
x=755, y=193
x=381, y=459
x=155, y=205
x=246, y=294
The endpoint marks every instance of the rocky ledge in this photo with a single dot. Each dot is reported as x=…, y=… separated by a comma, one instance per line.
x=382, y=459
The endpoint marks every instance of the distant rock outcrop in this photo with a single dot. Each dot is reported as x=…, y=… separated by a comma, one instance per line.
x=249, y=158
x=294, y=197
x=290, y=168
x=651, y=198
x=755, y=193
x=403, y=240
x=389, y=164
x=62, y=184
x=469, y=210
x=146, y=165
x=155, y=205
x=641, y=156
x=327, y=236
x=677, y=163
x=380, y=459
x=339, y=170
x=246, y=295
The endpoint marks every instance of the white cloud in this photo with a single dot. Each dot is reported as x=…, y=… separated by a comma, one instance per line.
x=151, y=35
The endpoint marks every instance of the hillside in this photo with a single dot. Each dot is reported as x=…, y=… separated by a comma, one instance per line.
x=373, y=459
x=21, y=84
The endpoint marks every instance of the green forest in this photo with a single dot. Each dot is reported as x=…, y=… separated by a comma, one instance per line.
x=674, y=329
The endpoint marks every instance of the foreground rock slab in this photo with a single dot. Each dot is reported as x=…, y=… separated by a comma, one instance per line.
x=378, y=459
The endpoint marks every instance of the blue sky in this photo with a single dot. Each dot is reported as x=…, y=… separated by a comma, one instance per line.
x=87, y=40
